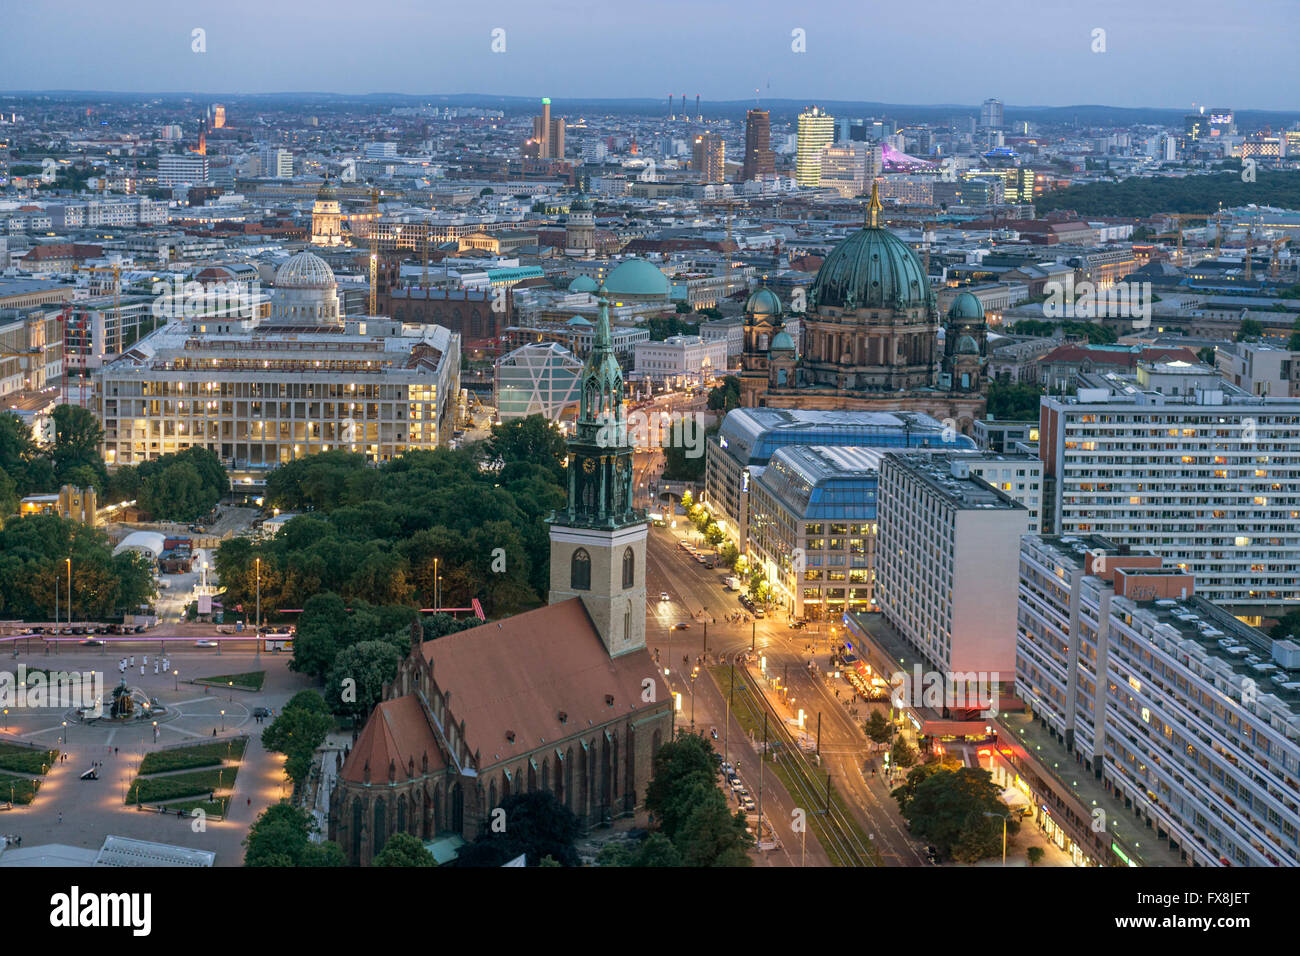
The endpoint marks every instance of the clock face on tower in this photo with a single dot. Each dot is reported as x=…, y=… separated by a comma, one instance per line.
x=589, y=465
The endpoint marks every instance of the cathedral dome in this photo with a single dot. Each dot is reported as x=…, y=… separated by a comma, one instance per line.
x=326, y=193
x=871, y=269
x=968, y=307
x=306, y=270
x=967, y=346
x=782, y=342
x=583, y=284
x=763, y=302
x=637, y=277
x=581, y=204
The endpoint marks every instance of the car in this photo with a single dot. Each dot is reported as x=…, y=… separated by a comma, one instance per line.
x=206, y=643
x=748, y=803
x=713, y=732
x=727, y=770
x=263, y=712
x=932, y=854
x=91, y=642
x=681, y=626
x=758, y=612
x=799, y=625
x=663, y=596
x=736, y=784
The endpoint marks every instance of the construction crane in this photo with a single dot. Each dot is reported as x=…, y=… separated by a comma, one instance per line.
x=374, y=251
x=1275, y=261
x=116, y=271
x=1180, y=218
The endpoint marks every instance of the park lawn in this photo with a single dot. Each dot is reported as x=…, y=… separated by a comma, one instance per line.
x=155, y=789
x=24, y=788
x=25, y=759
x=213, y=808
x=251, y=680
x=188, y=758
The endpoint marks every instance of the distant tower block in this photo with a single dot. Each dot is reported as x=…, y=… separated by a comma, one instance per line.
x=699, y=117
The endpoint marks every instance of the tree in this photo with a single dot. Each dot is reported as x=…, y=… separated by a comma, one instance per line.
x=22, y=459
x=688, y=501
x=1206, y=355
x=356, y=681
x=281, y=837
x=77, y=434
x=1250, y=330
x=1288, y=625
x=404, y=849
x=1035, y=855
x=878, y=727
x=947, y=808
x=530, y=439
x=726, y=396
x=536, y=826
x=297, y=731
x=902, y=754
x=691, y=811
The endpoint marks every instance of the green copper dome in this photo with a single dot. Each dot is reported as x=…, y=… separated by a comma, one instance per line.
x=871, y=269
x=782, y=342
x=966, y=306
x=583, y=284
x=636, y=277
x=763, y=302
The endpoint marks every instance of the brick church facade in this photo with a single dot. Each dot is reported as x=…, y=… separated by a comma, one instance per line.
x=564, y=698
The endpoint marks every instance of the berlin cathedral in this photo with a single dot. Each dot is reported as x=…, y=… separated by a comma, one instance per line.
x=870, y=338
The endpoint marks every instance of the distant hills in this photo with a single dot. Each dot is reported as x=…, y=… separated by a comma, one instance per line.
x=782, y=109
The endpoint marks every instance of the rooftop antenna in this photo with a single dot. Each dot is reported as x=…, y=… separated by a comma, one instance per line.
x=670, y=106
x=699, y=117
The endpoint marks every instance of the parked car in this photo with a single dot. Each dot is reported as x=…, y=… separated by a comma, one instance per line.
x=932, y=854
x=263, y=712
x=681, y=626
x=663, y=596
x=748, y=803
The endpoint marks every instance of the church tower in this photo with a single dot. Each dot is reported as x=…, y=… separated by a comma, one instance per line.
x=326, y=217
x=598, y=541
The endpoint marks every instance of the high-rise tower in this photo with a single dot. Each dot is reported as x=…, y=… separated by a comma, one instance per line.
x=816, y=132
x=598, y=541
x=759, y=159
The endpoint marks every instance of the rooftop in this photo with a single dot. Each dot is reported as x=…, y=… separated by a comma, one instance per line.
x=946, y=477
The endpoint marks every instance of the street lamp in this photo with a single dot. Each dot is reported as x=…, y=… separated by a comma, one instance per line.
x=64, y=741
x=69, y=560
x=155, y=731
x=435, y=585
x=257, y=643
x=231, y=685
x=1005, y=818
x=176, y=680
x=223, y=721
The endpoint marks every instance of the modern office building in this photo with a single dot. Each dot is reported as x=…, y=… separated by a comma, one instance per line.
x=759, y=159
x=260, y=393
x=182, y=170
x=1187, y=715
x=709, y=158
x=1208, y=479
x=816, y=131
x=31, y=349
x=749, y=437
x=548, y=134
x=537, y=379
x=681, y=360
x=812, y=520
x=849, y=167
x=946, y=568
x=991, y=114
x=1260, y=368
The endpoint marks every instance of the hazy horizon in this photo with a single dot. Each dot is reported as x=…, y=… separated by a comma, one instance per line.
x=1161, y=54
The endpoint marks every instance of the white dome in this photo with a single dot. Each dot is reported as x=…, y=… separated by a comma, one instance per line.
x=306, y=270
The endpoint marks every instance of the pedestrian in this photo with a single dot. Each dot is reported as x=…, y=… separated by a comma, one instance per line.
x=250, y=801
x=60, y=816
x=214, y=731
x=115, y=751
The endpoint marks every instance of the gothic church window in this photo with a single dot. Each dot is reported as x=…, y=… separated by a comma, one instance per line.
x=580, y=570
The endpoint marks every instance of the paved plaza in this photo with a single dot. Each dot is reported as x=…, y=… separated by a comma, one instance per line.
x=93, y=809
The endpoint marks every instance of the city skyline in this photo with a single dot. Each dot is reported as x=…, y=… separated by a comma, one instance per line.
x=722, y=57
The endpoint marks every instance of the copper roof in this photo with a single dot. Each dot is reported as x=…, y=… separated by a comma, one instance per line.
x=397, y=732
x=518, y=675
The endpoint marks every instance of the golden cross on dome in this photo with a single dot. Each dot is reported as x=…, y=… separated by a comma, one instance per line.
x=873, y=208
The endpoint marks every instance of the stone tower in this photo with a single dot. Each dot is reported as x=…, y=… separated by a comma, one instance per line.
x=326, y=217
x=598, y=541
